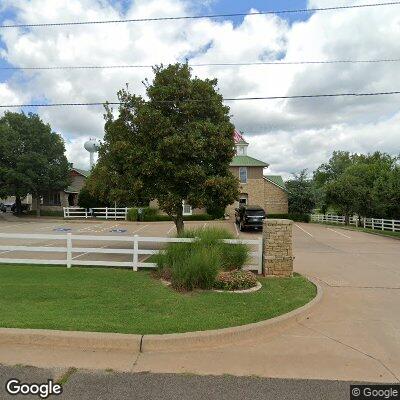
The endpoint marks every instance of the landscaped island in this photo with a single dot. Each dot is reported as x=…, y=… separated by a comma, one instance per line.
x=115, y=300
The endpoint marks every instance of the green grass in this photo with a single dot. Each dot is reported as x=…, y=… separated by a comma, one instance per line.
x=378, y=232
x=114, y=300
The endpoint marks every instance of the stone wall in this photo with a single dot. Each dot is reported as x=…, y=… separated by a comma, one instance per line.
x=276, y=199
x=278, y=247
x=254, y=188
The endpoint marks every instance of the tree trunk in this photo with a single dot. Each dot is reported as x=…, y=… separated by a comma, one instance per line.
x=178, y=219
x=18, y=205
x=347, y=219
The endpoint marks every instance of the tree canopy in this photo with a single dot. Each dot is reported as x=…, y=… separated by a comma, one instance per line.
x=363, y=184
x=301, y=193
x=32, y=159
x=174, y=146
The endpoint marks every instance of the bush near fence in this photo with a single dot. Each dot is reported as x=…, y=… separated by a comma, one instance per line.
x=150, y=214
x=292, y=216
x=197, y=264
x=47, y=213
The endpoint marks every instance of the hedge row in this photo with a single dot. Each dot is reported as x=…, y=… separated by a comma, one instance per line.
x=150, y=214
x=47, y=213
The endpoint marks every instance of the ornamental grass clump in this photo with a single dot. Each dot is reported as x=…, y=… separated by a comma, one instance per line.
x=196, y=265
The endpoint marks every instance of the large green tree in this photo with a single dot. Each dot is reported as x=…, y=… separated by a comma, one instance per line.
x=174, y=146
x=32, y=157
x=365, y=184
x=301, y=193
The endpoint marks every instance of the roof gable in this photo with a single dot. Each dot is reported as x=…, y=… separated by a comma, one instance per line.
x=276, y=180
x=81, y=172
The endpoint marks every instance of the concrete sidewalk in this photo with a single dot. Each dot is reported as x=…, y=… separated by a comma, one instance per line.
x=352, y=334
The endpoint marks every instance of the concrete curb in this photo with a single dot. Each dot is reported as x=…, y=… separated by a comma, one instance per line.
x=152, y=343
x=75, y=340
x=218, y=337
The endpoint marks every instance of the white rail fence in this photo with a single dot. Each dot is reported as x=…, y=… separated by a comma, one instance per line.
x=134, y=250
x=104, y=212
x=372, y=223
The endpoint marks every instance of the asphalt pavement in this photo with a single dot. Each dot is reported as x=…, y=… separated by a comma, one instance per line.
x=87, y=385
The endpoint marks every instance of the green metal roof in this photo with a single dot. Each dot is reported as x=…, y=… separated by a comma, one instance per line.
x=276, y=179
x=82, y=172
x=246, y=161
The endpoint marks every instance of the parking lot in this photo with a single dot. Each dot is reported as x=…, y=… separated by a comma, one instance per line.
x=99, y=228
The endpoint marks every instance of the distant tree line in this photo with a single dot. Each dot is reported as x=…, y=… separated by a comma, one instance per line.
x=364, y=184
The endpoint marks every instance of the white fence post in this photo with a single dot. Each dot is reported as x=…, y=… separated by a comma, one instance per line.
x=106, y=212
x=383, y=225
x=393, y=230
x=69, y=250
x=135, y=252
x=260, y=257
x=373, y=225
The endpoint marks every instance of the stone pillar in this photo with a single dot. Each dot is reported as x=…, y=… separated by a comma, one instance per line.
x=278, y=248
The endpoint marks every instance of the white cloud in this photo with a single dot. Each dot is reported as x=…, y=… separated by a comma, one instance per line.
x=8, y=96
x=290, y=135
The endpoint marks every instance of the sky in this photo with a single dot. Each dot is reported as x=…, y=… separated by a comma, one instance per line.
x=288, y=134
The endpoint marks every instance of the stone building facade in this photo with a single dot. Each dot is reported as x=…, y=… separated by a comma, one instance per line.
x=256, y=187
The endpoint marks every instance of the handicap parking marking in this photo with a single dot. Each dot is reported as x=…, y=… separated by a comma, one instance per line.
x=118, y=230
x=339, y=233
x=62, y=229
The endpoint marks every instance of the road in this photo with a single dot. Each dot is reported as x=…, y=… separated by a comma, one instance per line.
x=127, y=386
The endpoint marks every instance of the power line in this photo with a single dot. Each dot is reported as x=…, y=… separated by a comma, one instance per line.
x=187, y=17
x=257, y=63
x=304, y=96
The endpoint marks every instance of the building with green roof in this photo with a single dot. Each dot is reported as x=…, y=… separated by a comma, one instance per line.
x=256, y=186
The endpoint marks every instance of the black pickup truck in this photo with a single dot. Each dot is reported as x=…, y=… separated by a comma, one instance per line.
x=249, y=217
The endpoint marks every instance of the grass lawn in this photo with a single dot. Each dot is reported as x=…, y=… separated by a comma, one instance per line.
x=114, y=300
x=378, y=232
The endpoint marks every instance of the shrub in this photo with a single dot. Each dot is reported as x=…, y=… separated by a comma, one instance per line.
x=293, y=216
x=199, y=270
x=87, y=200
x=162, y=217
x=196, y=265
x=216, y=212
x=235, y=280
x=47, y=213
x=133, y=214
x=234, y=256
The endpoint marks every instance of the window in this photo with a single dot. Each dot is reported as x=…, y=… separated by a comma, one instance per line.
x=243, y=199
x=187, y=209
x=243, y=174
x=52, y=199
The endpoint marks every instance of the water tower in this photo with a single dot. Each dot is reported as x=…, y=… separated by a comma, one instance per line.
x=92, y=146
